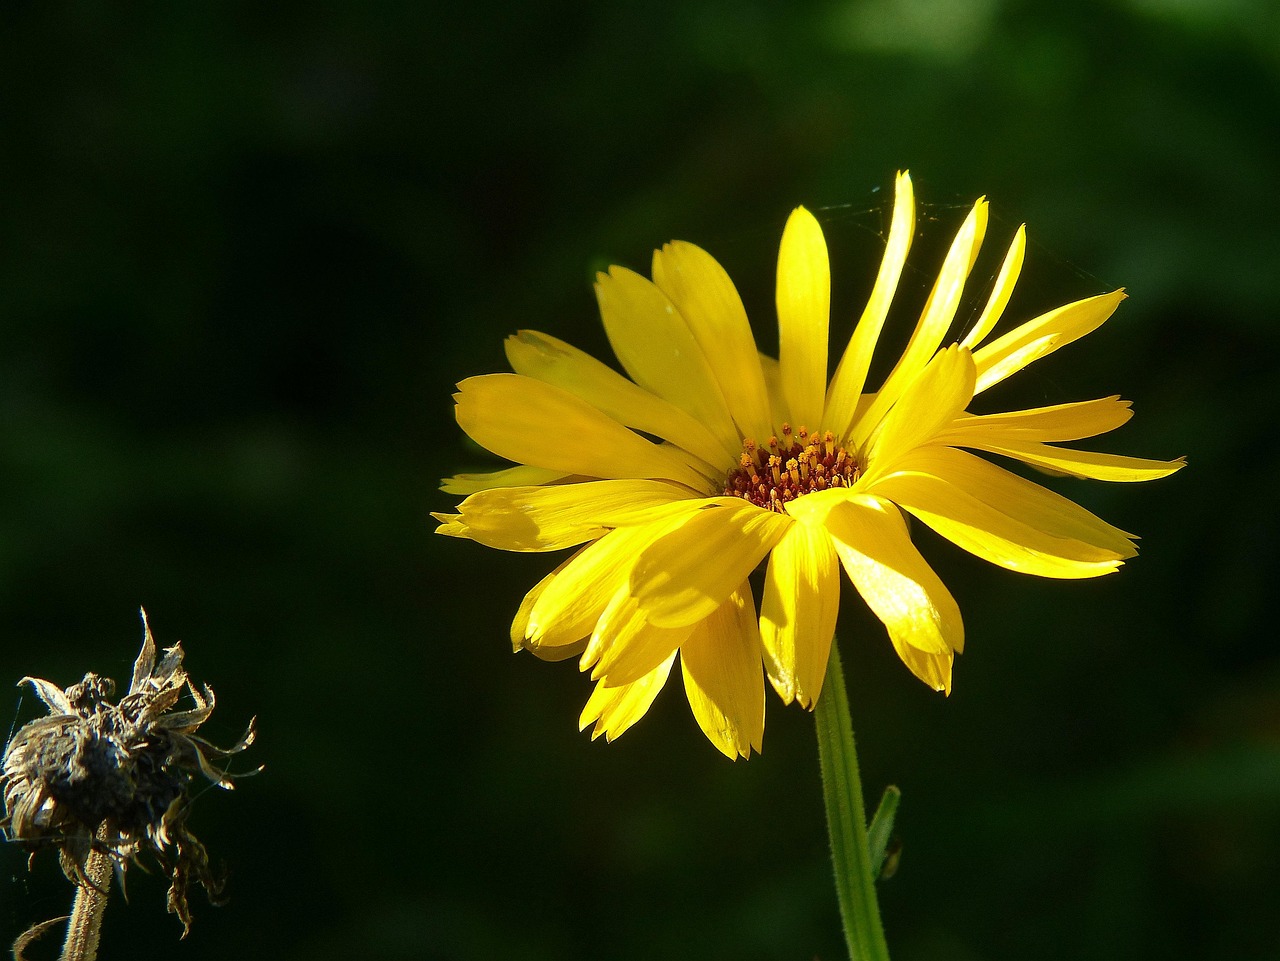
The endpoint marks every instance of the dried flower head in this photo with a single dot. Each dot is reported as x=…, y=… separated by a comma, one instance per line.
x=99, y=779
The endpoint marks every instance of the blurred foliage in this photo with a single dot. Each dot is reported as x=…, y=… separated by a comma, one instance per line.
x=248, y=248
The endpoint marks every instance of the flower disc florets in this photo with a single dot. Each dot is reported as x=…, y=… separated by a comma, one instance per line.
x=96, y=776
x=798, y=464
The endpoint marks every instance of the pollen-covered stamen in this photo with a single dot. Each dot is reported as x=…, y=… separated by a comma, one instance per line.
x=790, y=467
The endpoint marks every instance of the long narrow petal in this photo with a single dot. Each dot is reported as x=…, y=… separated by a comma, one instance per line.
x=932, y=668
x=539, y=424
x=685, y=575
x=450, y=525
x=1049, y=331
x=1084, y=463
x=798, y=616
x=658, y=350
x=1000, y=294
x=709, y=303
x=614, y=709
x=551, y=518
x=935, y=320
x=520, y=476
x=804, y=315
x=572, y=603
x=722, y=677
x=872, y=542
x=851, y=375
x=549, y=359
x=553, y=648
x=625, y=646
x=1061, y=422
x=1018, y=497
x=773, y=384
x=1004, y=518
x=936, y=397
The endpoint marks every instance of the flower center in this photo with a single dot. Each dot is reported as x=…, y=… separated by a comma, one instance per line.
x=796, y=465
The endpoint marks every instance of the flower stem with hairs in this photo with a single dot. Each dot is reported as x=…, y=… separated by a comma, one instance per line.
x=851, y=855
x=90, y=905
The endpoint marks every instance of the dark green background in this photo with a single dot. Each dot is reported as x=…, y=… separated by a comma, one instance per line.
x=247, y=248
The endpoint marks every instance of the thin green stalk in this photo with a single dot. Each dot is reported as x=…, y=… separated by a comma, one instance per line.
x=846, y=819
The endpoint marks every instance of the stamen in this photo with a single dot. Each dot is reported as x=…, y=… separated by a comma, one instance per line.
x=791, y=466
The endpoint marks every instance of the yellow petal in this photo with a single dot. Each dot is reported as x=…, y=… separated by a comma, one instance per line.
x=1048, y=332
x=1004, y=518
x=551, y=518
x=539, y=424
x=572, y=603
x=1060, y=422
x=872, y=542
x=935, y=320
x=1020, y=498
x=936, y=397
x=450, y=525
x=625, y=646
x=850, y=378
x=709, y=303
x=722, y=676
x=549, y=359
x=553, y=648
x=1000, y=294
x=685, y=575
x=658, y=350
x=933, y=669
x=814, y=508
x=773, y=384
x=804, y=314
x=944, y=298
x=798, y=617
x=1084, y=463
x=520, y=476
x=633, y=515
x=614, y=709
x=1009, y=364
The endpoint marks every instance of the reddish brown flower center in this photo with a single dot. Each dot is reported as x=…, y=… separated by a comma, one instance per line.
x=790, y=467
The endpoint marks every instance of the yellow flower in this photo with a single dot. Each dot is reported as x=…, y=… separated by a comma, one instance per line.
x=681, y=480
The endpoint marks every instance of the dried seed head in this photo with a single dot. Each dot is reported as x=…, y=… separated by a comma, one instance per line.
x=113, y=778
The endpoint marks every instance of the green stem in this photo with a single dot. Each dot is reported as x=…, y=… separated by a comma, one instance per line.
x=846, y=819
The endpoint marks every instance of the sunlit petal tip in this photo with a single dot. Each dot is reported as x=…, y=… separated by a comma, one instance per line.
x=798, y=613
x=784, y=688
x=518, y=476
x=803, y=299
x=615, y=709
x=904, y=199
x=922, y=618
x=1041, y=336
x=723, y=681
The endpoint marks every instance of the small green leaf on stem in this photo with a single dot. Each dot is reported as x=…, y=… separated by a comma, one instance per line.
x=881, y=830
